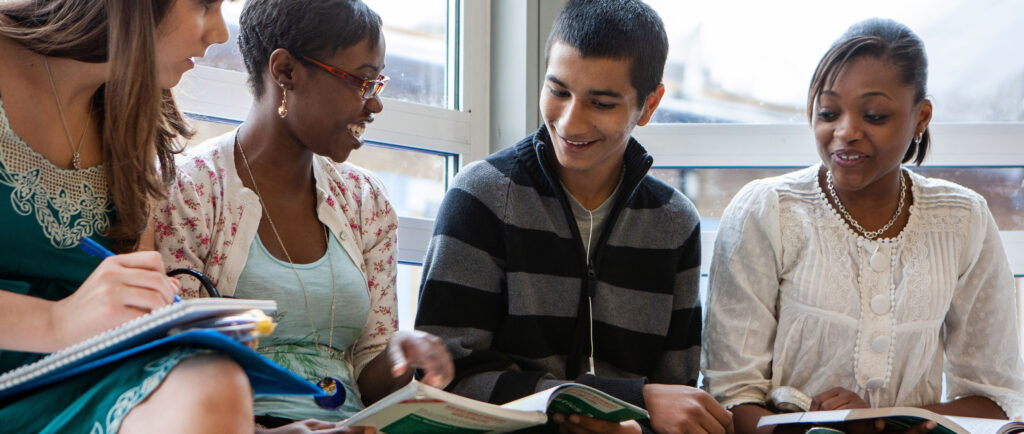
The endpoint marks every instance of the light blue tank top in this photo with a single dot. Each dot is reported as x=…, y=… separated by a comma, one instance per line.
x=291, y=345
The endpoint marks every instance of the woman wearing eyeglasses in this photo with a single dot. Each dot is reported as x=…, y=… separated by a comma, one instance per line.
x=272, y=211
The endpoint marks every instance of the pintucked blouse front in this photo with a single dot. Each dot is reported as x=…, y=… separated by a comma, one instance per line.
x=798, y=299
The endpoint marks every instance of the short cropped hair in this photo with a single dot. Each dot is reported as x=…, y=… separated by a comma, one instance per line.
x=616, y=29
x=303, y=27
x=885, y=40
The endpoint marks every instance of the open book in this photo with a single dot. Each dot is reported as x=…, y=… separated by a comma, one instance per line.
x=419, y=408
x=185, y=323
x=899, y=419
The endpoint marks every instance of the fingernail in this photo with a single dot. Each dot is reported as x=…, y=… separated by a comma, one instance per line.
x=558, y=418
x=574, y=418
x=398, y=370
x=930, y=425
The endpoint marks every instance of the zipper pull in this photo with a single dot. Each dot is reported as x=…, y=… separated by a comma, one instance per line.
x=591, y=279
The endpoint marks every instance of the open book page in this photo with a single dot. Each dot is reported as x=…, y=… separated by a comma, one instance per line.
x=898, y=418
x=977, y=425
x=418, y=408
x=579, y=399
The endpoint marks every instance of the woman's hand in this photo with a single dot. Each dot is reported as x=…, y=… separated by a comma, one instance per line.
x=393, y=368
x=422, y=350
x=676, y=408
x=579, y=424
x=837, y=398
x=123, y=287
x=314, y=426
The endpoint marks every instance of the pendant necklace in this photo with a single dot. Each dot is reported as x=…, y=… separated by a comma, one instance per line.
x=335, y=392
x=76, y=160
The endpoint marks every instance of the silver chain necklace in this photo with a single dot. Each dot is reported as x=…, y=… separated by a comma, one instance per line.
x=870, y=235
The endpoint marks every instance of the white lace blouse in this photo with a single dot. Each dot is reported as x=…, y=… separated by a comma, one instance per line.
x=797, y=300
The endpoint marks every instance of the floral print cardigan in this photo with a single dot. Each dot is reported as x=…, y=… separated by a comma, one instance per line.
x=210, y=220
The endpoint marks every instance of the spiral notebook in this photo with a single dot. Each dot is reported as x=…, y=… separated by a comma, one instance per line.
x=152, y=331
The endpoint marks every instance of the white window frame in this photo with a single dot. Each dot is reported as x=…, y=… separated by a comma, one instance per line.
x=223, y=95
x=485, y=124
x=744, y=145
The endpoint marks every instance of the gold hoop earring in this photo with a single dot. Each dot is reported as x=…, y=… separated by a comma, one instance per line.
x=282, y=110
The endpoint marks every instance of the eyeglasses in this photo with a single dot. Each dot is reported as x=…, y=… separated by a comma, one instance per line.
x=369, y=88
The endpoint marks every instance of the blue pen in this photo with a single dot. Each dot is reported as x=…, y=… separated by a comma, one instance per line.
x=95, y=249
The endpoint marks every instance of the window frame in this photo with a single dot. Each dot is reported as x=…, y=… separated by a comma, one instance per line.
x=486, y=120
x=787, y=145
x=219, y=95
x=222, y=95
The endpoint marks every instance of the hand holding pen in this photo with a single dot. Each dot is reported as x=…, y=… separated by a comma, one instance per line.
x=95, y=249
x=121, y=288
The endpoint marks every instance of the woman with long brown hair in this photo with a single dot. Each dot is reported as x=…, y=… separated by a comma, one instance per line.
x=85, y=118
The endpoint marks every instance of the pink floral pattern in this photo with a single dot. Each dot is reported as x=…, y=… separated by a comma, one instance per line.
x=210, y=219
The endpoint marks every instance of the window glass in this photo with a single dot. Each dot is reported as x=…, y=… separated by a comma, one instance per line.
x=408, y=294
x=415, y=180
x=226, y=55
x=751, y=61
x=711, y=189
x=417, y=50
x=415, y=32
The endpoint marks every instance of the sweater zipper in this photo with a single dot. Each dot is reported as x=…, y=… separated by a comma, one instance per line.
x=589, y=284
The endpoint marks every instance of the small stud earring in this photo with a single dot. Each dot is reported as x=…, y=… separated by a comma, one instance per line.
x=919, y=138
x=282, y=111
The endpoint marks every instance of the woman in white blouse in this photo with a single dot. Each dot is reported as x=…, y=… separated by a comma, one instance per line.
x=857, y=282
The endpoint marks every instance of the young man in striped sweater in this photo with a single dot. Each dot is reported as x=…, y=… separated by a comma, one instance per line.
x=561, y=259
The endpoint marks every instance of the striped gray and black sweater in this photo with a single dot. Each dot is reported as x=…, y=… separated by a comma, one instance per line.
x=505, y=281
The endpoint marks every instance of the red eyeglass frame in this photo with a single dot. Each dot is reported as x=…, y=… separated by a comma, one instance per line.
x=381, y=80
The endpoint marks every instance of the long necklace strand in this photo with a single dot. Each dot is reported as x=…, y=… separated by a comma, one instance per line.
x=870, y=235
x=76, y=160
x=305, y=294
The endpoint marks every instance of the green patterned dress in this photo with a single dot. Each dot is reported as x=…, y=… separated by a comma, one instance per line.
x=44, y=212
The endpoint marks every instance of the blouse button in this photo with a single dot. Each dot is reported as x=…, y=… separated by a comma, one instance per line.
x=880, y=344
x=343, y=236
x=878, y=262
x=875, y=383
x=880, y=304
